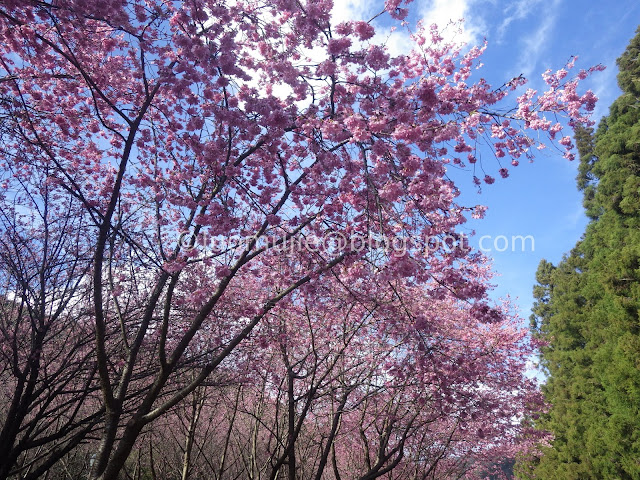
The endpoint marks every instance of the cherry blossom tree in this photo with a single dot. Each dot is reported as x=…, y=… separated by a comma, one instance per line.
x=47, y=366
x=397, y=382
x=384, y=386
x=226, y=159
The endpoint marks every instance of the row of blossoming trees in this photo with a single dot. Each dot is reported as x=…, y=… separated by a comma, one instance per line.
x=201, y=205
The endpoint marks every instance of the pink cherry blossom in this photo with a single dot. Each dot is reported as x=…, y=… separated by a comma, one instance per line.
x=193, y=188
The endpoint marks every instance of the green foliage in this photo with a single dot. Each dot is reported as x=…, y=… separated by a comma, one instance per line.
x=587, y=308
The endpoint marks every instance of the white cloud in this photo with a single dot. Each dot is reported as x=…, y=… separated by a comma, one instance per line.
x=397, y=41
x=445, y=14
x=345, y=10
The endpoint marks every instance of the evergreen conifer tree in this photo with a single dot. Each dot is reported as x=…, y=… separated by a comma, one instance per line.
x=587, y=309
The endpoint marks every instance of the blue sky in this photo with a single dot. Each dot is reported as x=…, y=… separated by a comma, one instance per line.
x=539, y=199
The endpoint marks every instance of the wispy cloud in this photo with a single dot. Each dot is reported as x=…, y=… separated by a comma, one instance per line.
x=602, y=85
x=575, y=218
x=533, y=45
x=515, y=11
